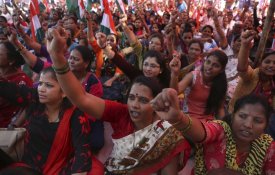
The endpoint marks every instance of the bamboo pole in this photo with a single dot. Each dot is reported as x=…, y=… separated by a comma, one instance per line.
x=266, y=29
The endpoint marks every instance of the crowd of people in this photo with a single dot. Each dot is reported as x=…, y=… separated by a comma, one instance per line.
x=170, y=92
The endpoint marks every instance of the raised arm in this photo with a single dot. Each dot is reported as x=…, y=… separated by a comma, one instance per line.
x=90, y=32
x=116, y=58
x=185, y=82
x=166, y=104
x=88, y=103
x=29, y=58
x=27, y=39
x=246, y=44
x=129, y=33
x=175, y=65
x=133, y=40
x=223, y=41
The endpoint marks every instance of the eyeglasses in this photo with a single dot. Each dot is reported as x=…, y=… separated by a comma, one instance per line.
x=153, y=66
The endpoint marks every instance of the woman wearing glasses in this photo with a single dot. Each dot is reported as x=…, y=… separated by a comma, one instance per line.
x=154, y=65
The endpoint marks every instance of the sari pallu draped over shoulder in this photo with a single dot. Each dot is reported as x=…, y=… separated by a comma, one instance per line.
x=148, y=150
x=61, y=147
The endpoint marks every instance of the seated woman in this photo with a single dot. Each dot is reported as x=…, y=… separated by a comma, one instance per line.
x=57, y=139
x=204, y=89
x=10, y=62
x=143, y=144
x=154, y=65
x=80, y=63
x=239, y=145
x=258, y=81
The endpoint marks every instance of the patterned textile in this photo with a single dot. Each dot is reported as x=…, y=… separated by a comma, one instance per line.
x=144, y=148
x=253, y=163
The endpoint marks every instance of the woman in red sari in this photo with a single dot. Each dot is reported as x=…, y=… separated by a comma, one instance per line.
x=10, y=62
x=237, y=146
x=57, y=138
x=143, y=144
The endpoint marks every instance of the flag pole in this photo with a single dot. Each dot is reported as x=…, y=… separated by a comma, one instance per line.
x=266, y=29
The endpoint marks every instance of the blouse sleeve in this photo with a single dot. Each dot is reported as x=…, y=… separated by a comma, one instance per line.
x=126, y=67
x=19, y=95
x=80, y=138
x=247, y=75
x=44, y=53
x=94, y=86
x=269, y=164
x=214, y=132
x=40, y=65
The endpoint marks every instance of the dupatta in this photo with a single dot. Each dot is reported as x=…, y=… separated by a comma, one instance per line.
x=148, y=150
x=61, y=147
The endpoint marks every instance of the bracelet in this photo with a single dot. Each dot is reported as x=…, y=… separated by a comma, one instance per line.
x=63, y=70
x=20, y=48
x=185, y=129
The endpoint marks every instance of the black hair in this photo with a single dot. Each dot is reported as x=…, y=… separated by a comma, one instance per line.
x=208, y=26
x=188, y=28
x=13, y=54
x=37, y=106
x=196, y=41
x=151, y=82
x=4, y=18
x=87, y=55
x=72, y=17
x=267, y=54
x=251, y=99
x=164, y=76
x=219, y=84
x=159, y=36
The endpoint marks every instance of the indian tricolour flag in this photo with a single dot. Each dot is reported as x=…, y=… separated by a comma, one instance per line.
x=120, y=6
x=37, y=32
x=81, y=8
x=107, y=23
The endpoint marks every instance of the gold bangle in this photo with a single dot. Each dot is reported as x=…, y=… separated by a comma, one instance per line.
x=62, y=70
x=185, y=129
x=20, y=48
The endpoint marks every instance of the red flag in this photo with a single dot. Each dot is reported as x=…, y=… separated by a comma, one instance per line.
x=35, y=6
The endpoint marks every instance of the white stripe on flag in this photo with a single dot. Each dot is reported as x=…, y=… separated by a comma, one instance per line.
x=81, y=8
x=106, y=22
x=121, y=6
x=36, y=23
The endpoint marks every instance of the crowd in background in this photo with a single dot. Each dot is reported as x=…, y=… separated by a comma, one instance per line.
x=172, y=88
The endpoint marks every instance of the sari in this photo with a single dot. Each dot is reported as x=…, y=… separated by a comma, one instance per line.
x=148, y=150
x=62, y=148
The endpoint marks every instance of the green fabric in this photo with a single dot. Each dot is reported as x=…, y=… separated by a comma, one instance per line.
x=42, y=7
x=40, y=35
x=72, y=5
x=105, y=30
x=89, y=5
